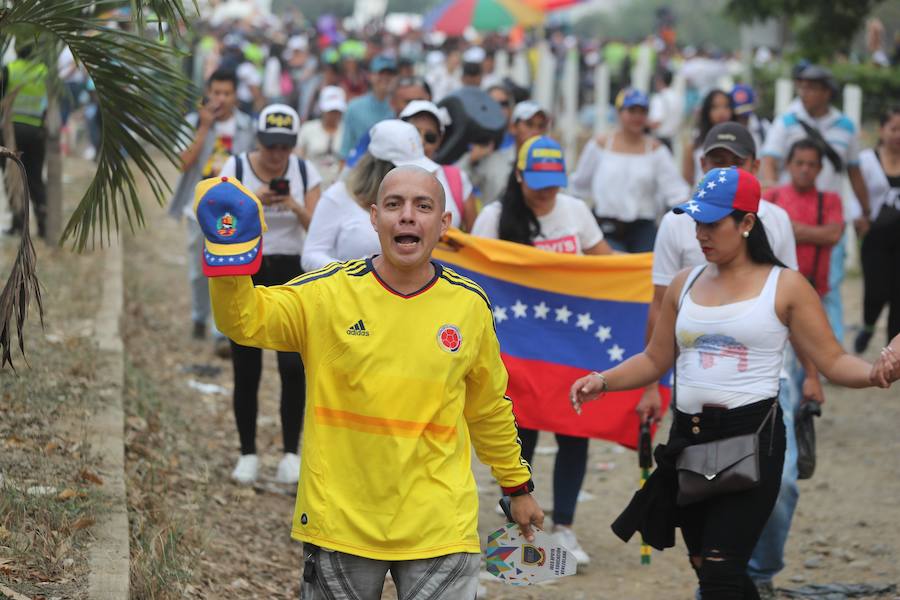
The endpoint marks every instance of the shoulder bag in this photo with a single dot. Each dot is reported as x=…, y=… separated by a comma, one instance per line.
x=721, y=466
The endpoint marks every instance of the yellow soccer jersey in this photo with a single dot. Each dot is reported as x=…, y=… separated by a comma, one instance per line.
x=399, y=388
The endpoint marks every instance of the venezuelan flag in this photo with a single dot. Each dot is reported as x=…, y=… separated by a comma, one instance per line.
x=558, y=317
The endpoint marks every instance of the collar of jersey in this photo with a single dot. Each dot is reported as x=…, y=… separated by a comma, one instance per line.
x=437, y=273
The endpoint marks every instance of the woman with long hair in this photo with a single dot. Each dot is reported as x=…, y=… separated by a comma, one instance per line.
x=534, y=212
x=717, y=108
x=725, y=324
x=880, y=252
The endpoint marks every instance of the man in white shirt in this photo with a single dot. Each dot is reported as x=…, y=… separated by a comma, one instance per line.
x=676, y=248
x=814, y=117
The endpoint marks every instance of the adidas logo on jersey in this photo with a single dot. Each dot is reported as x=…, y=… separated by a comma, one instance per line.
x=358, y=328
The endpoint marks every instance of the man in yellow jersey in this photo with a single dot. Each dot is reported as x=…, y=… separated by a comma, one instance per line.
x=404, y=378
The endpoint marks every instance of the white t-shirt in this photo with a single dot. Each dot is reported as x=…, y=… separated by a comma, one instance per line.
x=569, y=228
x=676, y=247
x=322, y=148
x=840, y=133
x=340, y=230
x=880, y=191
x=285, y=235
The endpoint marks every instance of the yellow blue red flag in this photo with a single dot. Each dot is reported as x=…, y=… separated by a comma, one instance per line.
x=558, y=317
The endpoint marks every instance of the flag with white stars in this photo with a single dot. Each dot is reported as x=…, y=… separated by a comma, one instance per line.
x=558, y=317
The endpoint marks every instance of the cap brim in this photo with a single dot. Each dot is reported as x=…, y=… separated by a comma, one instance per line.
x=220, y=264
x=424, y=162
x=340, y=107
x=744, y=109
x=733, y=148
x=270, y=139
x=633, y=104
x=538, y=180
x=702, y=212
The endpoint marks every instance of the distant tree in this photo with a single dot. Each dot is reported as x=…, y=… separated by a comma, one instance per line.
x=820, y=28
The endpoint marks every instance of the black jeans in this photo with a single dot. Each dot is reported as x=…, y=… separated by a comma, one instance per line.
x=247, y=365
x=568, y=471
x=31, y=141
x=723, y=530
x=880, y=256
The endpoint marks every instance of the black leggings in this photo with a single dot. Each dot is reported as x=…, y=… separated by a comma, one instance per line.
x=247, y=364
x=880, y=256
x=723, y=530
x=568, y=471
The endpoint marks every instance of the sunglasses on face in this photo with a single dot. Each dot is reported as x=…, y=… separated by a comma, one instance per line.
x=430, y=137
x=277, y=147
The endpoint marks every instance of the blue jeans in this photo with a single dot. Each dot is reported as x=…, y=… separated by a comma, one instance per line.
x=834, y=306
x=768, y=556
x=330, y=575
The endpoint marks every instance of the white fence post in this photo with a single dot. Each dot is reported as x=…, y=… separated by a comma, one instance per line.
x=601, y=98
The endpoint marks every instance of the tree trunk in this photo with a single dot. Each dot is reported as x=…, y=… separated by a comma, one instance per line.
x=54, y=171
x=53, y=125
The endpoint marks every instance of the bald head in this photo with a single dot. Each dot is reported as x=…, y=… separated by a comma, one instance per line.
x=426, y=182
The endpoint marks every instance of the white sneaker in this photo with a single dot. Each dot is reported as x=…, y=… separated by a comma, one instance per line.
x=246, y=470
x=566, y=537
x=288, y=468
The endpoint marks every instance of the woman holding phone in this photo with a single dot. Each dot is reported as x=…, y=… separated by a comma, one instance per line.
x=288, y=188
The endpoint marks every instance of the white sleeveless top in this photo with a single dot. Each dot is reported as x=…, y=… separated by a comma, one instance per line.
x=729, y=355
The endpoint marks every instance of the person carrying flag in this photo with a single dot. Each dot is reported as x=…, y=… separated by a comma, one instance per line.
x=405, y=377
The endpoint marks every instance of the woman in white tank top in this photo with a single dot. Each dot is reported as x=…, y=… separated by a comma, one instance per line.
x=730, y=320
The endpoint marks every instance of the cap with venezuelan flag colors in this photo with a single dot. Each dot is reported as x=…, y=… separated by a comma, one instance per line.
x=232, y=220
x=541, y=163
x=721, y=192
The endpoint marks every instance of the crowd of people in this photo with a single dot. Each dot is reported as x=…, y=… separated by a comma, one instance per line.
x=339, y=139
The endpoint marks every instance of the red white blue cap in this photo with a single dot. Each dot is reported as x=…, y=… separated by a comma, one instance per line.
x=232, y=220
x=541, y=163
x=721, y=192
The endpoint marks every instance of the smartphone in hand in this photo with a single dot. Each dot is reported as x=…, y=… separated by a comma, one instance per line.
x=280, y=186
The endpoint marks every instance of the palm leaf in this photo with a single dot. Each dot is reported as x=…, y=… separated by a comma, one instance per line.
x=140, y=96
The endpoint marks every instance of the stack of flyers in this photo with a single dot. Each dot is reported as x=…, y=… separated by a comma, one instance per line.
x=514, y=560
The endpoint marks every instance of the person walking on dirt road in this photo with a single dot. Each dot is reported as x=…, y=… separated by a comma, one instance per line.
x=405, y=376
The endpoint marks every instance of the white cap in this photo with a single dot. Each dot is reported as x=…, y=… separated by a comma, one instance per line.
x=298, y=42
x=278, y=124
x=332, y=97
x=399, y=142
x=474, y=55
x=424, y=106
x=526, y=109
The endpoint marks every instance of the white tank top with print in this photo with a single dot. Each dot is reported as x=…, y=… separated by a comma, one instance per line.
x=729, y=355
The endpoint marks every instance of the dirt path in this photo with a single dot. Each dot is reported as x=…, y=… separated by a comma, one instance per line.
x=205, y=537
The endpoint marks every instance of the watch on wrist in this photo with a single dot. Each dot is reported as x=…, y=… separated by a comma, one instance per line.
x=519, y=490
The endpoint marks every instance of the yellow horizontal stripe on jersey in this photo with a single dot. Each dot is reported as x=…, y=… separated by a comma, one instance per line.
x=379, y=425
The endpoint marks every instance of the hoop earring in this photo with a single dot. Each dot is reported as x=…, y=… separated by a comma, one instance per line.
x=745, y=234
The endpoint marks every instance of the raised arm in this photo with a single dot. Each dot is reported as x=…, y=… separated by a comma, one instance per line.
x=262, y=317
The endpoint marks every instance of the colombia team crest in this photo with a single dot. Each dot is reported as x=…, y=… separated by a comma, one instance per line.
x=449, y=338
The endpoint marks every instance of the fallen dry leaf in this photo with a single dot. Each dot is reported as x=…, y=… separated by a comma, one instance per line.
x=91, y=477
x=69, y=493
x=51, y=447
x=82, y=523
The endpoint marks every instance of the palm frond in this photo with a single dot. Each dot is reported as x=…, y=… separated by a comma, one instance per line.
x=140, y=97
x=22, y=283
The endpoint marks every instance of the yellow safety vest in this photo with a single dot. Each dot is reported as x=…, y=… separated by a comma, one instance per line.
x=31, y=101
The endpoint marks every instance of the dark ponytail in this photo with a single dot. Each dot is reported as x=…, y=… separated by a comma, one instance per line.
x=758, y=246
x=518, y=223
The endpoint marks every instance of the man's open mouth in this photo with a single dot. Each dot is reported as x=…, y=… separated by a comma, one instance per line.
x=406, y=240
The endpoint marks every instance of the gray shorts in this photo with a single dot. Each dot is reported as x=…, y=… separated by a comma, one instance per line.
x=330, y=575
